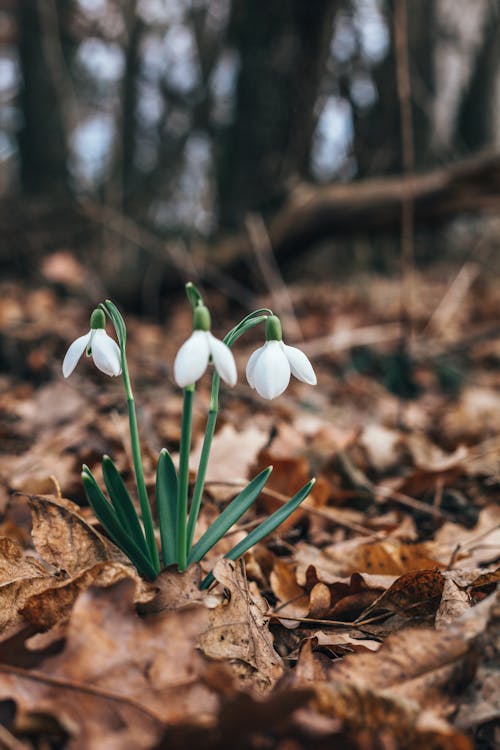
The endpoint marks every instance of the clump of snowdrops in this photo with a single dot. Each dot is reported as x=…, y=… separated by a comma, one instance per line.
x=268, y=371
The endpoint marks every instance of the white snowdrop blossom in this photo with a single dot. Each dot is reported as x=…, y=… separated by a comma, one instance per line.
x=270, y=367
x=193, y=357
x=104, y=350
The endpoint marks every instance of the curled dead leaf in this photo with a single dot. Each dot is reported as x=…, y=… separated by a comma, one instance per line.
x=238, y=631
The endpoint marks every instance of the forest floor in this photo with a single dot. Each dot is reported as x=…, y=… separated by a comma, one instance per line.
x=369, y=620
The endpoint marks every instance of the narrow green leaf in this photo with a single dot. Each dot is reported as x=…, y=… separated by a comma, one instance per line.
x=122, y=503
x=166, y=500
x=265, y=528
x=116, y=318
x=229, y=516
x=106, y=514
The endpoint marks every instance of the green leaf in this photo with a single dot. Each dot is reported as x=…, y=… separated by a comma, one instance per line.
x=166, y=500
x=229, y=516
x=122, y=503
x=106, y=514
x=265, y=528
x=116, y=318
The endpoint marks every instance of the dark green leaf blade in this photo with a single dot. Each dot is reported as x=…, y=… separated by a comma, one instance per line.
x=106, y=514
x=229, y=516
x=265, y=528
x=122, y=503
x=166, y=500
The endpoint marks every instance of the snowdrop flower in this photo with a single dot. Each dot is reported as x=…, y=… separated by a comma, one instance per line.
x=104, y=350
x=269, y=367
x=193, y=356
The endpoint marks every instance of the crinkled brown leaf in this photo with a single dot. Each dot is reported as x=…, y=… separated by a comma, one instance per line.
x=402, y=688
x=238, y=631
x=412, y=595
x=148, y=665
x=20, y=578
x=64, y=539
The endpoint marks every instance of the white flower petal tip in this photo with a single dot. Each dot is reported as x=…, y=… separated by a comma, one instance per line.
x=223, y=360
x=270, y=371
x=251, y=366
x=74, y=353
x=299, y=364
x=106, y=353
x=192, y=359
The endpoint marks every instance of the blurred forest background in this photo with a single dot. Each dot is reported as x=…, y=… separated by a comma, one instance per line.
x=160, y=140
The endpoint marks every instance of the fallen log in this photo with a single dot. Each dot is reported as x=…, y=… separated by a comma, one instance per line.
x=315, y=212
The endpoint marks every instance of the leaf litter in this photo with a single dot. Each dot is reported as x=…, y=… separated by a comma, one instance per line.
x=369, y=620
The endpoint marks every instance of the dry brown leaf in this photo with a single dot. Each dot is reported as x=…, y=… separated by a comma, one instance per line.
x=76, y=556
x=476, y=414
x=232, y=453
x=174, y=590
x=403, y=688
x=20, y=578
x=386, y=557
x=54, y=604
x=64, y=539
x=148, y=665
x=238, y=631
x=416, y=594
x=475, y=546
x=454, y=602
x=293, y=600
x=430, y=457
x=382, y=445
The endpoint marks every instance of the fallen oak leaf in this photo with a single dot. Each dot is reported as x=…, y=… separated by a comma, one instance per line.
x=403, y=688
x=63, y=538
x=409, y=687
x=174, y=590
x=31, y=589
x=238, y=631
x=150, y=662
x=54, y=604
x=413, y=594
x=20, y=578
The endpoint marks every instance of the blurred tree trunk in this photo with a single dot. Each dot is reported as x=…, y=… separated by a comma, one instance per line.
x=477, y=121
x=135, y=31
x=378, y=132
x=43, y=136
x=282, y=46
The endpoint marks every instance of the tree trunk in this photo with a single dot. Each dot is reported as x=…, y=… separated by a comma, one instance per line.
x=42, y=137
x=282, y=48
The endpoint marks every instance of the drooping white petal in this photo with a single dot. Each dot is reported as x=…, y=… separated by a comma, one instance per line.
x=299, y=364
x=251, y=365
x=192, y=359
x=74, y=353
x=223, y=360
x=106, y=353
x=271, y=372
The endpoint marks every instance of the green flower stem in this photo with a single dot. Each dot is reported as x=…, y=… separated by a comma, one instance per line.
x=205, y=454
x=139, y=471
x=182, y=502
x=245, y=325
